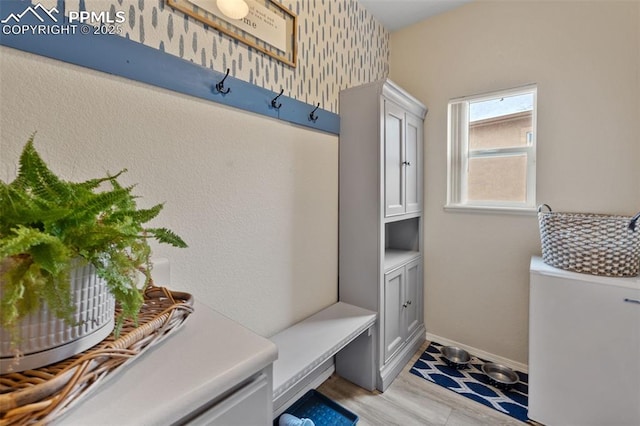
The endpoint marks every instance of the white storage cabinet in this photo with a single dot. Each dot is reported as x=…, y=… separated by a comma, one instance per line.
x=380, y=255
x=212, y=371
x=402, y=160
x=584, y=348
x=402, y=295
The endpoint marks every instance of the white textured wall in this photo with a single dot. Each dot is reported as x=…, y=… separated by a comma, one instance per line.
x=585, y=58
x=255, y=198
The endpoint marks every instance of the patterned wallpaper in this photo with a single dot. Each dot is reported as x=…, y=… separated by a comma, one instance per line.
x=340, y=45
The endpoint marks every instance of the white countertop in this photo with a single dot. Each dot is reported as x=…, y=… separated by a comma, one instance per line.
x=199, y=362
x=537, y=266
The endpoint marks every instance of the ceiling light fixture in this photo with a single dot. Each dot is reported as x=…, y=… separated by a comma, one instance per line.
x=234, y=9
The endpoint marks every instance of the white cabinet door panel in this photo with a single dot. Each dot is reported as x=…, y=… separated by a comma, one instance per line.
x=412, y=295
x=393, y=301
x=394, y=154
x=413, y=164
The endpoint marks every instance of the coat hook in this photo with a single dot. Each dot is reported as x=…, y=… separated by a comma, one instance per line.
x=273, y=101
x=220, y=86
x=312, y=116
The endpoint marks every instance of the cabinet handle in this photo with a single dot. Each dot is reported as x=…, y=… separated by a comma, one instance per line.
x=406, y=163
x=632, y=300
x=404, y=305
x=407, y=303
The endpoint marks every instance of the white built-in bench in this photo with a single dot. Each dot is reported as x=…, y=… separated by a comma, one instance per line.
x=306, y=350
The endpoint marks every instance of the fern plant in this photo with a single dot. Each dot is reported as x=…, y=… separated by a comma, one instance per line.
x=48, y=224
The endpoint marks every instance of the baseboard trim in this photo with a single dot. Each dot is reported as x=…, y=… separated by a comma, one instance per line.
x=480, y=353
x=391, y=369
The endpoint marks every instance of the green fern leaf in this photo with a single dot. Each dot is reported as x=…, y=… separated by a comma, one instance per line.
x=101, y=202
x=95, y=183
x=53, y=257
x=23, y=239
x=139, y=216
x=166, y=236
x=35, y=176
x=18, y=208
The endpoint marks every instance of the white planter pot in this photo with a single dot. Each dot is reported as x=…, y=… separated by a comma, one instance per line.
x=46, y=339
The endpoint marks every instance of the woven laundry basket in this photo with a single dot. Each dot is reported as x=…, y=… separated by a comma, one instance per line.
x=595, y=244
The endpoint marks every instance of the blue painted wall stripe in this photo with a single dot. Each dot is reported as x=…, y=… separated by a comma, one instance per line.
x=123, y=57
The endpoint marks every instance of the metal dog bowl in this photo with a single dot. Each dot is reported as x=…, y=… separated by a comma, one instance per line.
x=500, y=376
x=455, y=357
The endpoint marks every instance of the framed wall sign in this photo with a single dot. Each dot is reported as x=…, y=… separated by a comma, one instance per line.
x=266, y=25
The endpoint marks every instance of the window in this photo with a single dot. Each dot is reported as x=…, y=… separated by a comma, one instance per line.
x=492, y=151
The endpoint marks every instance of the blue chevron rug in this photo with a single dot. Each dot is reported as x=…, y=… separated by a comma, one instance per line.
x=472, y=383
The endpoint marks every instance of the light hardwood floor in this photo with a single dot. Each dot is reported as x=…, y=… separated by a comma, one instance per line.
x=411, y=400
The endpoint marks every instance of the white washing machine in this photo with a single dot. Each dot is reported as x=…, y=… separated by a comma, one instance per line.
x=584, y=348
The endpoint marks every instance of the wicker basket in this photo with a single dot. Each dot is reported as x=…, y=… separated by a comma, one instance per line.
x=595, y=244
x=39, y=396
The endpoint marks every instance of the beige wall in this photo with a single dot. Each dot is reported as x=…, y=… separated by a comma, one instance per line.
x=255, y=198
x=585, y=58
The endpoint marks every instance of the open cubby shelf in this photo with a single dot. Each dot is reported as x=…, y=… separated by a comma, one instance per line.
x=395, y=258
x=402, y=242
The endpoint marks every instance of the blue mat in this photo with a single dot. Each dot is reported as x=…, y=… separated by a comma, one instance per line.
x=472, y=383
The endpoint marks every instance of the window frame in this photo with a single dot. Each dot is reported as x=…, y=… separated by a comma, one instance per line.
x=458, y=154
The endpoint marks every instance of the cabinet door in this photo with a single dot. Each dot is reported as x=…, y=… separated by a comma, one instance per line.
x=248, y=406
x=394, y=179
x=393, y=315
x=413, y=164
x=412, y=296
